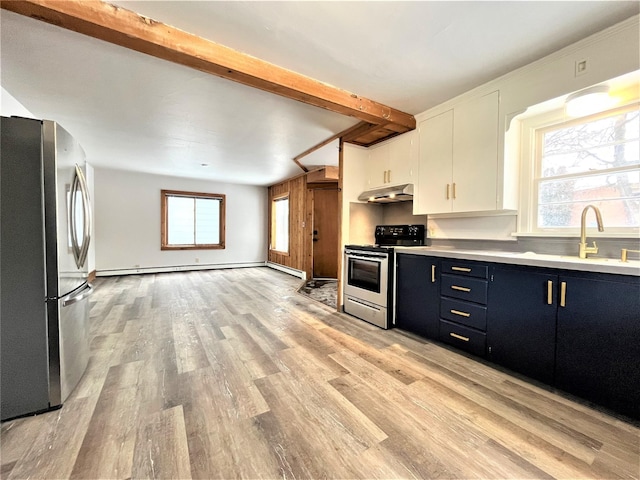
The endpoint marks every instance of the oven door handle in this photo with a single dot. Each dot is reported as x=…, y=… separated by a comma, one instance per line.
x=372, y=258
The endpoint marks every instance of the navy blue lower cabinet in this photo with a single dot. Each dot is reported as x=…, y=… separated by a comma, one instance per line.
x=521, y=326
x=598, y=341
x=418, y=294
x=462, y=337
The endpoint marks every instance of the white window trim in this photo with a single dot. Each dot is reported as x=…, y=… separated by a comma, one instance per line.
x=526, y=213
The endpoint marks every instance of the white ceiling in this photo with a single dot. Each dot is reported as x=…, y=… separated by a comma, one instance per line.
x=132, y=111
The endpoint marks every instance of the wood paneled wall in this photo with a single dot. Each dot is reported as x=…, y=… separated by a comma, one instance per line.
x=298, y=226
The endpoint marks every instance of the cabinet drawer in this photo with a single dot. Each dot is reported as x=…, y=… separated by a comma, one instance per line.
x=464, y=313
x=466, y=269
x=463, y=338
x=469, y=289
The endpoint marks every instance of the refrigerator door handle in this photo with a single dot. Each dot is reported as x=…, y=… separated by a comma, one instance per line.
x=76, y=297
x=80, y=250
x=72, y=219
x=86, y=210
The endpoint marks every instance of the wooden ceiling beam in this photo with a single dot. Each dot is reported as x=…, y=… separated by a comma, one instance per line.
x=130, y=30
x=365, y=129
x=297, y=158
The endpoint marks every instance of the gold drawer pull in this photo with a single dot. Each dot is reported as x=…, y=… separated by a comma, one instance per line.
x=433, y=274
x=461, y=269
x=448, y=187
x=459, y=337
x=462, y=289
x=563, y=294
x=462, y=314
x=549, y=292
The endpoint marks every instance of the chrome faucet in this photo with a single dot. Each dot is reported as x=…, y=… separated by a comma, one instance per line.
x=584, y=250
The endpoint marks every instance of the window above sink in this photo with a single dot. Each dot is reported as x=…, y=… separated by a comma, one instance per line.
x=569, y=163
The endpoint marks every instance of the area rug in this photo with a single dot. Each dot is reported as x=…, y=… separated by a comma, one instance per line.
x=325, y=291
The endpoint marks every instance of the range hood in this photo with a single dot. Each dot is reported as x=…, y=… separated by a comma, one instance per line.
x=397, y=193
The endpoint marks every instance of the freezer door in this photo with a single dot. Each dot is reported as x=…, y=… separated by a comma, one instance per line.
x=74, y=343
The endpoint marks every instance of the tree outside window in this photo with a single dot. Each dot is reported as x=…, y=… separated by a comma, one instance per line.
x=592, y=160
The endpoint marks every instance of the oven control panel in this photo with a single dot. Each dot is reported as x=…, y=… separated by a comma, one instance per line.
x=400, y=234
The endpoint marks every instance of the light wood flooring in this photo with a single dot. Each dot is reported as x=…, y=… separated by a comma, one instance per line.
x=231, y=374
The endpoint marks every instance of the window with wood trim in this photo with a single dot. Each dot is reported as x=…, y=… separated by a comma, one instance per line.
x=280, y=224
x=192, y=220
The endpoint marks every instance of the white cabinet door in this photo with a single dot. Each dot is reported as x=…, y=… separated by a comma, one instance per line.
x=403, y=151
x=378, y=165
x=475, y=154
x=432, y=193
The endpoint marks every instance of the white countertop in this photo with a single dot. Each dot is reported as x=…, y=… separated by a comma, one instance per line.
x=567, y=262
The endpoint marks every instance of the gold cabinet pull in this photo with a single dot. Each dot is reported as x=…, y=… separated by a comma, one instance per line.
x=454, y=191
x=563, y=294
x=433, y=274
x=459, y=337
x=448, y=187
x=462, y=314
x=549, y=292
x=461, y=289
x=461, y=269
x=384, y=174
x=389, y=176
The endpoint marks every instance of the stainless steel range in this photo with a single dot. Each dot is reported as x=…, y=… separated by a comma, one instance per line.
x=368, y=279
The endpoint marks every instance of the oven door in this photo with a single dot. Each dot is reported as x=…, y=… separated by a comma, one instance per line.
x=366, y=276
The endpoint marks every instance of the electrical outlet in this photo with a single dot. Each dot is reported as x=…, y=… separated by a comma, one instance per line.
x=582, y=66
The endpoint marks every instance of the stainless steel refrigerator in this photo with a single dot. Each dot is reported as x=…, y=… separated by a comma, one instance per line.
x=44, y=240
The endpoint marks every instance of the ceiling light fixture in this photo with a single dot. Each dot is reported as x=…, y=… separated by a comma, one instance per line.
x=588, y=101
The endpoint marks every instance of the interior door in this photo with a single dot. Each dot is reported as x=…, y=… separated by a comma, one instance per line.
x=325, y=233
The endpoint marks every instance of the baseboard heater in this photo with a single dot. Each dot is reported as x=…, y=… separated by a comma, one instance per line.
x=176, y=268
x=289, y=270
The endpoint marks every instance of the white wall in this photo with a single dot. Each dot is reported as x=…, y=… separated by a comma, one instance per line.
x=9, y=106
x=127, y=224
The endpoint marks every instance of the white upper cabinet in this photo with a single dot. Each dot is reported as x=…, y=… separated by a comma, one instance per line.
x=435, y=170
x=393, y=162
x=475, y=154
x=377, y=166
x=458, y=160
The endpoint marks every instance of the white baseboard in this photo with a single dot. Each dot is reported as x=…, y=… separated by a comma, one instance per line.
x=176, y=268
x=289, y=270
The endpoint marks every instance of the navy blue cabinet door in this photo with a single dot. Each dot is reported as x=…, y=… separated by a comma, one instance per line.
x=418, y=294
x=521, y=325
x=598, y=342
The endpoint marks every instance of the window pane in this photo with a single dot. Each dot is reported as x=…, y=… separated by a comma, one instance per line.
x=617, y=195
x=281, y=219
x=207, y=221
x=180, y=217
x=609, y=142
